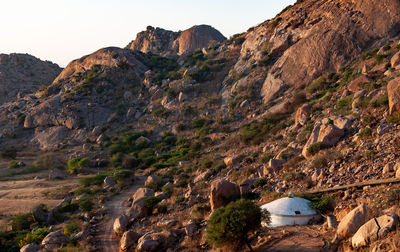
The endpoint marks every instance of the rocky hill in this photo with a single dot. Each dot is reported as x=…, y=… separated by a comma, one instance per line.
x=22, y=74
x=307, y=102
x=169, y=43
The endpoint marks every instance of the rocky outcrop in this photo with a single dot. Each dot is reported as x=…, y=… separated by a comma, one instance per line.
x=314, y=38
x=31, y=247
x=22, y=74
x=149, y=242
x=393, y=90
x=222, y=192
x=142, y=192
x=370, y=231
x=169, y=43
x=302, y=115
x=352, y=222
x=121, y=224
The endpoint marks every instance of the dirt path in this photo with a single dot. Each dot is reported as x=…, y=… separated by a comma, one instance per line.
x=106, y=241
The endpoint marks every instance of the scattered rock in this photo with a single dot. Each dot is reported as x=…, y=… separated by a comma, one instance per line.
x=233, y=160
x=302, y=115
x=109, y=182
x=56, y=174
x=276, y=164
x=369, y=231
x=352, y=222
x=152, y=179
x=191, y=229
x=148, y=242
x=221, y=192
x=54, y=240
x=393, y=90
x=355, y=85
x=383, y=128
x=31, y=247
x=395, y=61
x=142, y=192
x=129, y=238
x=121, y=224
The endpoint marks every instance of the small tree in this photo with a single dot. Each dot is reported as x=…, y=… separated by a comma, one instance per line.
x=230, y=226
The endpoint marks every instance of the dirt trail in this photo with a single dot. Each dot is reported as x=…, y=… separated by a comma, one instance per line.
x=106, y=241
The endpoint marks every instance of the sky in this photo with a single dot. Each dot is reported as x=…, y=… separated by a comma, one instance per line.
x=63, y=30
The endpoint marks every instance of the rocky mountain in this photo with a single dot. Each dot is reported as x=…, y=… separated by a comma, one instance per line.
x=22, y=74
x=307, y=102
x=169, y=43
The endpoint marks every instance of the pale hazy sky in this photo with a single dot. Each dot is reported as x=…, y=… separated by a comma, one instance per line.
x=63, y=30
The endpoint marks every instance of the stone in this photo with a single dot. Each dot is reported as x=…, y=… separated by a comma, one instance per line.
x=31, y=247
x=246, y=186
x=191, y=229
x=149, y=242
x=398, y=173
x=138, y=209
x=142, y=140
x=388, y=168
x=352, y=222
x=395, y=60
x=368, y=232
x=276, y=164
x=182, y=97
x=152, y=179
x=318, y=175
x=244, y=103
x=272, y=88
x=383, y=128
x=109, y=182
x=342, y=122
x=129, y=162
x=121, y=224
x=54, y=240
x=393, y=90
x=355, y=85
x=40, y=215
x=128, y=239
x=233, y=160
x=327, y=134
x=222, y=192
x=380, y=68
x=56, y=174
x=142, y=192
x=167, y=223
x=302, y=115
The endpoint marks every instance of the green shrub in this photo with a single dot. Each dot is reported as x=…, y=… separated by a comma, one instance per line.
x=48, y=161
x=344, y=105
x=366, y=132
x=261, y=182
x=394, y=118
x=71, y=228
x=266, y=157
x=156, y=186
x=21, y=222
x=10, y=153
x=95, y=180
x=13, y=164
x=35, y=237
x=85, y=204
x=169, y=189
x=314, y=148
x=180, y=199
x=75, y=165
x=162, y=209
x=151, y=202
x=382, y=100
x=230, y=226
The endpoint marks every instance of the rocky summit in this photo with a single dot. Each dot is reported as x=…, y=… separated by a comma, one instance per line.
x=169, y=43
x=176, y=141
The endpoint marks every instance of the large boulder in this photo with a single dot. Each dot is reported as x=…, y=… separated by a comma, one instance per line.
x=352, y=222
x=142, y=192
x=355, y=85
x=233, y=160
x=302, y=114
x=128, y=239
x=54, y=240
x=393, y=89
x=149, y=242
x=272, y=88
x=395, y=61
x=40, y=215
x=138, y=209
x=31, y=247
x=370, y=231
x=326, y=134
x=121, y=224
x=152, y=179
x=222, y=192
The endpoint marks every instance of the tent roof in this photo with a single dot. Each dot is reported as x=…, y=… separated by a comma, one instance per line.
x=290, y=207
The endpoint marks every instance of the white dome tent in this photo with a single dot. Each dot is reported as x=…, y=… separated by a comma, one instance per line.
x=290, y=211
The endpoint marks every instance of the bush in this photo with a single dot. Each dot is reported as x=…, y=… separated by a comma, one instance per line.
x=47, y=161
x=13, y=164
x=394, y=118
x=71, y=228
x=162, y=209
x=230, y=226
x=261, y=182
x=35, y=237
x=151, y=202
x=266, y=157
x=10, y=153
x=344, y=105
x=366, y=132
x=76, y=165
x=95, y=180
x=323, y=204
x=314, y=148
x=22, y=222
